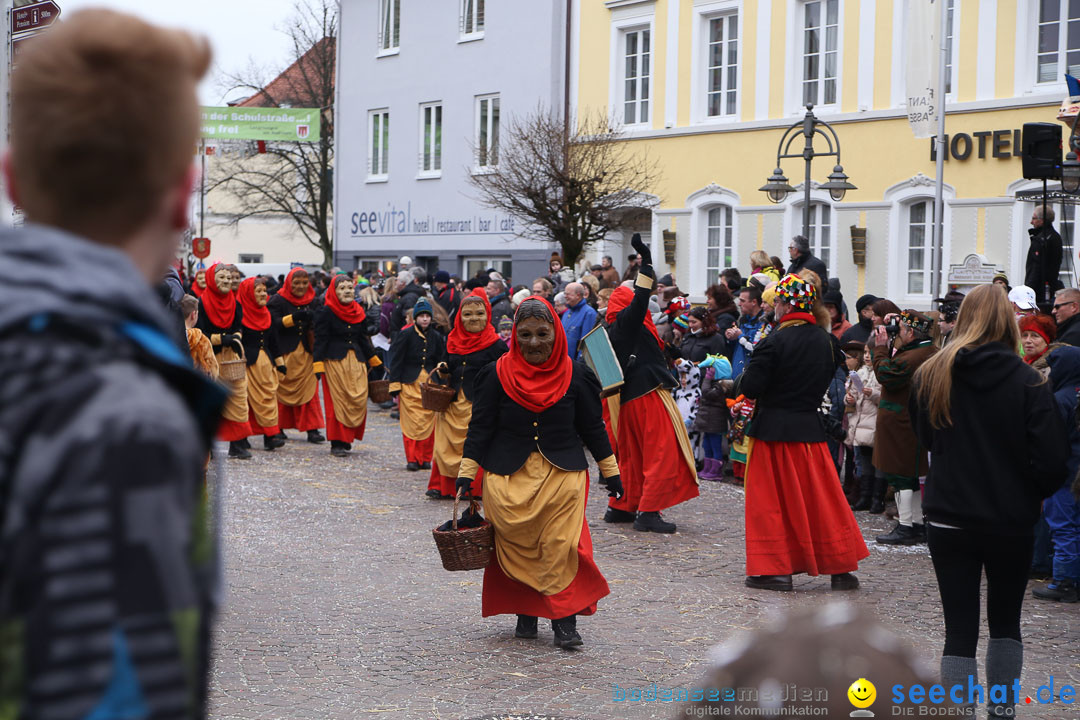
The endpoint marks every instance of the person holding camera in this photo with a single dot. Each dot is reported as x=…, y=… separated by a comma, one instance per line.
x=899, y=458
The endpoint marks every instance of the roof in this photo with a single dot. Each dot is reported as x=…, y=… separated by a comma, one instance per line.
x=301, y=84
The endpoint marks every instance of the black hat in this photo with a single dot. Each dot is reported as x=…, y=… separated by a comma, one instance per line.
x=864, y=302
x=442, y=276
x=833, y=297
x=666, y=280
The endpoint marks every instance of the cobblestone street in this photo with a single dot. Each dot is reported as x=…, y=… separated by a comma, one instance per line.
x=337, y=605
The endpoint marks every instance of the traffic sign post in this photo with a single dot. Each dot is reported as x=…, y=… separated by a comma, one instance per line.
x=34, y=17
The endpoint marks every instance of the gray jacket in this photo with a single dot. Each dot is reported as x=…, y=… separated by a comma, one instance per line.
x=106, y=574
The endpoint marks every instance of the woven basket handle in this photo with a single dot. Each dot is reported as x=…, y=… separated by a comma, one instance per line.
x=473, y=505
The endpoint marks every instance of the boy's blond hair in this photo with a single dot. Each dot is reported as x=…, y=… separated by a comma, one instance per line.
x=104, y=122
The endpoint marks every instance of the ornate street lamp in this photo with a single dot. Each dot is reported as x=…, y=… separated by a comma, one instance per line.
x=1070, y=174
x=777, y=187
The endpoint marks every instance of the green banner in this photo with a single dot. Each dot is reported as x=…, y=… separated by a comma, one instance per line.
x=271, y=124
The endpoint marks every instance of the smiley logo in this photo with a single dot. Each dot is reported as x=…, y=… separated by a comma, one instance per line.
x=862, y=693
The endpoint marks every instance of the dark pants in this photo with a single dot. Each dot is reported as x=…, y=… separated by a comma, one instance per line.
x=713, y=445
x=864, y=465
x=959, y=557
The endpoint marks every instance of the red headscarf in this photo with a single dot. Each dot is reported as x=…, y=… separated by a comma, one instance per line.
x=286, y=290
x=620, y=300
x=536, y=387
x=195, y=289
x=463, y=342
x=255, y=317
x=220, y=306
x=351, y=313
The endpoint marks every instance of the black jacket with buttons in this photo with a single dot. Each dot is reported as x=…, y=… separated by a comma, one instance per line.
x=335, y=338
x=289, y=337
x=413, y=351
x=256, y=340
x=502, y=434
x=644, y=364
x=209, y=329
x=464, y=368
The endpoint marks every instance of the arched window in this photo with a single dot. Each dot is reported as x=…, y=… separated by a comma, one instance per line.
x=719, y=243
x=918, y=232
x=821, y=236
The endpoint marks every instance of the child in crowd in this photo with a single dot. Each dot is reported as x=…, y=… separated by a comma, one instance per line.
x=862, y=393
x=506, y=329
x=712, y=413
x=202, y=352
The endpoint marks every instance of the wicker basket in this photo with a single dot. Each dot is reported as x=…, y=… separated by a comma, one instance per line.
x=436, y=397
x=233, y=370
x=468, y=548
x=378, y=390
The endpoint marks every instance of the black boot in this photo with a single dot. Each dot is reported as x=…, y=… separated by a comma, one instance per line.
x=877, y=500
x=272, y=442
x=612, y=515
x=900, y=535
x=315, y=437
x=653, y=522
x=844, y=581
x=566, y=634
x=282, y=436
x=781, y=583
x=526, y=627
x=866, y=490
x=339, y=449
x=412, y=466
x=238, y=451
x=425, y=466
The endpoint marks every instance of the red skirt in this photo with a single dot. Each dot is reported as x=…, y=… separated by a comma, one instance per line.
x=654, y=473
x=447, y=486
x=231, y=431
x=304, y=418
x=257, y=429
x=419, y=451
x=504, y=596
x=797, y=519
x=604, y=403
x=335, y=431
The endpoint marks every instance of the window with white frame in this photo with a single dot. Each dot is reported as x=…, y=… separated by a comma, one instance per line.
x=919, y=229
x=719, y=243
x=1058, y=44
x=821, y=243
x=1066, y=227
x=487, y=131
x=389, y=25
x=820, y=51
x=949, y=39
x=473, y=265
x=636, y=75
x=378, y=144
x=431, y=139
x=472, y=19
x=722, y=75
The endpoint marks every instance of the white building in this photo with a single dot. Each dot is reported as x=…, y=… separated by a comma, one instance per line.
x=422, y=88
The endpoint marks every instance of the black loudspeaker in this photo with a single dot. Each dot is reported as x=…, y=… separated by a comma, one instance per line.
x=1042, y=151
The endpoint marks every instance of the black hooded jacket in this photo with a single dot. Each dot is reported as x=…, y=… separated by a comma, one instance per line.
x=1005, y=450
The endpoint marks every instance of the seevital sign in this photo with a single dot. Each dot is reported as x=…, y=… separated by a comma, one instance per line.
x=270, y=124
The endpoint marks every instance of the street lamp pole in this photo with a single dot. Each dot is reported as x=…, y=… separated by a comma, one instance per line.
x=777, y=187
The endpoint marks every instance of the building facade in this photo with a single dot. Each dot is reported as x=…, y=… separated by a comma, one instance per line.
x=423, y=88
x=707, y=87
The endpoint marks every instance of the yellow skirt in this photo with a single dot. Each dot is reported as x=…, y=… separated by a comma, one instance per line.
x=416, y=422
x=450, y=430
x=298, y=386
x=262, y=382
x=236, y=407
x=537, y=513
x=348, y=384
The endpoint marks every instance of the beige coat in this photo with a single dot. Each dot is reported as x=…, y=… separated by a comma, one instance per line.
x=862, y=418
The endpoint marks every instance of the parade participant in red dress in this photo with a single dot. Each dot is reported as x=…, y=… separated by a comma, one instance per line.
x=797, y=519
x=534, y=410
x=472, y=344
x=293, y=310
x=655, y=456
x=264, y=362
x=416, y=350
x=343, y=354
x=220, y=319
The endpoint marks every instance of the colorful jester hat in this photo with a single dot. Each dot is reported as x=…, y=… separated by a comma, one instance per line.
x=797, y=292
x=916, y=321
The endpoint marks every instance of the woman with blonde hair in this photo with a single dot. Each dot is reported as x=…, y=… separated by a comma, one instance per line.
x=760, y=262
x=998, y=447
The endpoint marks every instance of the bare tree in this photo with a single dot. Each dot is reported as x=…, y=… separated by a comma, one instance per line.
x=291, y=180
x=569, y=188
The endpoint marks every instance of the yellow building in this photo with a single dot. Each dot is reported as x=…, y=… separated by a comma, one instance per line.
x=707, y=87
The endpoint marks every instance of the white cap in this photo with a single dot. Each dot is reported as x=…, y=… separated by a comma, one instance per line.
x=405, y=260
x=1023, y=297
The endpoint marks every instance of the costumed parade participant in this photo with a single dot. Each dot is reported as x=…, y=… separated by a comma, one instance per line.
x=415, y=352
x=293, y=308
x=534, y=410
x=343, y=353
x=199, y=286
x=220, y=319
x=655, y=455
x=472, y=344
x=797, y=518
x=264, y=362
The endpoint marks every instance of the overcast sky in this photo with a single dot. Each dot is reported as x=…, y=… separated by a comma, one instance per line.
x=241, y=31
